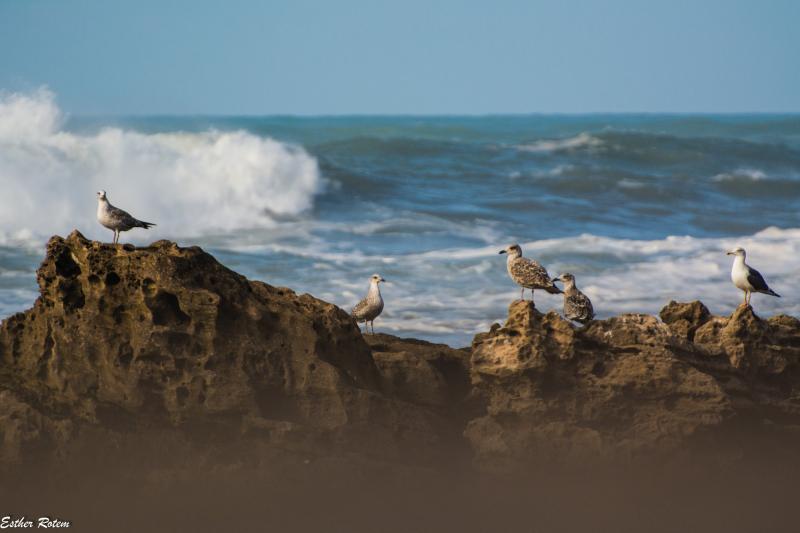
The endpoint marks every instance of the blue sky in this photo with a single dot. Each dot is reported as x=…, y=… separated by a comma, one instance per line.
x=404, y=57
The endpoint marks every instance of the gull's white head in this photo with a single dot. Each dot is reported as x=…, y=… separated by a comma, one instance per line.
x=512, y=250
x=376, y=279
x=101, y=195
x=738, y=251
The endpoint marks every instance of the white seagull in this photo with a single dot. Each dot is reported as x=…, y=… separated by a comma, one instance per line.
x=368, y=309
x=746, y=278
x=115, y=218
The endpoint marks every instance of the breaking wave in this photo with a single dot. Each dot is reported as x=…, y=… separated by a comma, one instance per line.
x=188, y=183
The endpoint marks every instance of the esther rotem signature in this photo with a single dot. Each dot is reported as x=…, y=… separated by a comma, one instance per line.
x=42, y=522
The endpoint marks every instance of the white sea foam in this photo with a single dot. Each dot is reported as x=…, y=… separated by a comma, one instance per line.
x=582, y=140
x=741, y=174
x=187, y=183
x=627, y=183
x=452, y=293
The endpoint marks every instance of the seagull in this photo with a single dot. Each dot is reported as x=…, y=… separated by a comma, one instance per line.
x=747, y=279
x=115, y=218
x=577, y=305
x=527, y=273
x=368, y=309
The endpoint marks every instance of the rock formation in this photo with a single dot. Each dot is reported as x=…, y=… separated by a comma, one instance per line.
x=133, y=351
x=634, y=387
x=168, y=341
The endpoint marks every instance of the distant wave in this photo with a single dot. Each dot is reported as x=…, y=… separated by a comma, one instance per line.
x=741, y=174
x=658, y=149
x=582, y=140
x=188, y=183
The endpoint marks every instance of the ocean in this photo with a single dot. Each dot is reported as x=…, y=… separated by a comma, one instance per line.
x=640, y=208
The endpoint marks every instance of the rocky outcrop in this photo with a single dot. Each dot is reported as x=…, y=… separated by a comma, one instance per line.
x=433, y=375
x=161, y=358
x=684, y=319
x=613, y=388
x=163, y=338
x=632, y=386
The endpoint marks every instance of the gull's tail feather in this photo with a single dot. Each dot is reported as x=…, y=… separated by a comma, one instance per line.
x=771, y=293
x=553, y=290
x=143, y=224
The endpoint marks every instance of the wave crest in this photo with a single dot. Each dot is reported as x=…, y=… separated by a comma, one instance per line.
x=188, y=183
x=582, y=140
x=741, y=174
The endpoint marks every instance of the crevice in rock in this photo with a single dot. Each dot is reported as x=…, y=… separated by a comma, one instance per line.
x=66, y=267
x=166, y=310
x=71, y=294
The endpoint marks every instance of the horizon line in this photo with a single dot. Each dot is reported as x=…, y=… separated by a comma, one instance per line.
x=438, y=115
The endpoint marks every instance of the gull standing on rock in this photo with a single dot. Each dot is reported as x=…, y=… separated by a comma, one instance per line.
x=747, y=279
x=527, y=273
x=577, y=305
x=115, y=218
x=368, y=309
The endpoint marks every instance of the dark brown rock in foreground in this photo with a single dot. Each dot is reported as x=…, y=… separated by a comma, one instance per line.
x=634, y=387
x=153, y=388
x=166, y=340
x=160, y=367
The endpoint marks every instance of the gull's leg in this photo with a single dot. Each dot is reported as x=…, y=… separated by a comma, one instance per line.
x=532, y=298
x=522, y=294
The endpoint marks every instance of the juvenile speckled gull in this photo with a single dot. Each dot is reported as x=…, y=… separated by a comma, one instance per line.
x=577, y=305
x=746, y=278
x=368, y=309
x=115, y=218
x=527, y=273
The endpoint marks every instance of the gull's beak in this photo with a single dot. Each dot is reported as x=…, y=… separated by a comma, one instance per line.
x=501, y=252
x=555, y=279
x=728, y=253
x=383, y=280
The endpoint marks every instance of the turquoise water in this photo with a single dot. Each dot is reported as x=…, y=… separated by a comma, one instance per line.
x=639, y=208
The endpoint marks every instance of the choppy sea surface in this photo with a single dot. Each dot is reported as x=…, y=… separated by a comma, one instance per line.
x=640, y=208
